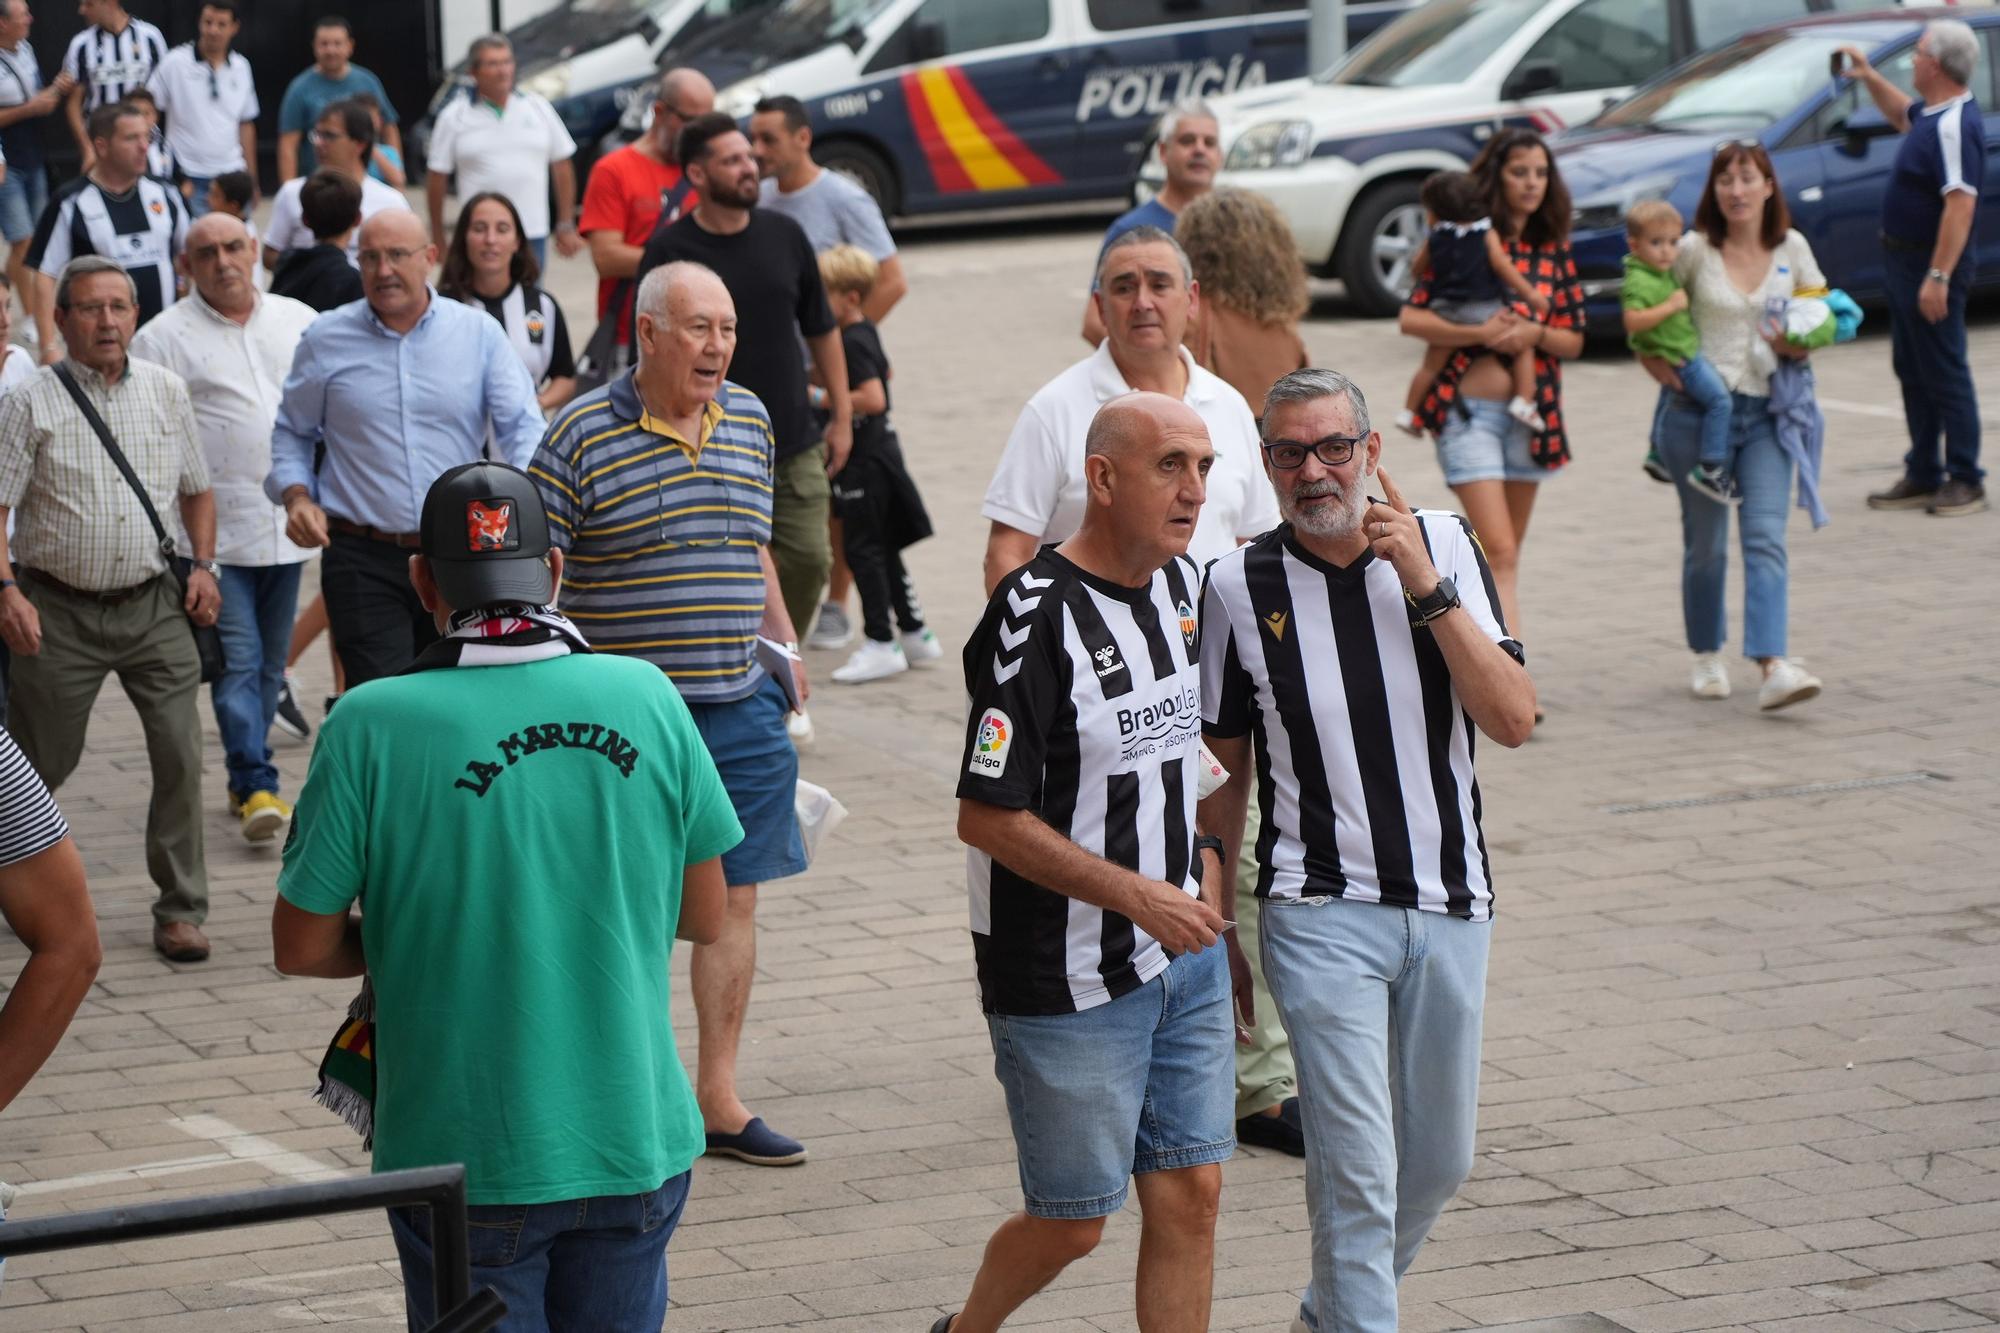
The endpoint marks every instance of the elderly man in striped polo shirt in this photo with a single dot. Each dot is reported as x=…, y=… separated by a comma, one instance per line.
x=658, y=488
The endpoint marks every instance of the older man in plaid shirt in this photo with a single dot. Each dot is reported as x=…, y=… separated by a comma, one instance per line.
x=85, y=589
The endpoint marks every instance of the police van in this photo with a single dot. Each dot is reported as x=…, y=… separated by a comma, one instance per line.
x=937, y=106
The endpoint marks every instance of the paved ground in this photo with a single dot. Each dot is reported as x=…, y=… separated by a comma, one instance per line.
x=1743, y=1046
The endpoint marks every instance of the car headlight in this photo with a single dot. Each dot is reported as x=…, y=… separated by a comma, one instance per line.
x=739, y=99
x=1275, y=143
x=551, y=83
x=1606, y=212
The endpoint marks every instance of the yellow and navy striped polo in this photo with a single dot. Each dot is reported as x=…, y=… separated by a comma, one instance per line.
x=662, y=537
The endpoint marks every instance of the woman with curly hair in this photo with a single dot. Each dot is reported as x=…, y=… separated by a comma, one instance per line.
x=1253, y=290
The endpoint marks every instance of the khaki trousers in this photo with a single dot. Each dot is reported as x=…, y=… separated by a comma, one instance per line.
x=1265, y=1075
x=801, y=502
x=146, y=642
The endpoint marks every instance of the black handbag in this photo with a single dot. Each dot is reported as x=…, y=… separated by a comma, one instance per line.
x=207, y=638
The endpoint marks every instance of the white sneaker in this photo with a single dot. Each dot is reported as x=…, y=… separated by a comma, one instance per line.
x=1788, y=684
x=1711, y=677
x=831, y=628
x=1524, y=412
x=921, y=647
x=872, y=661
x=799, y=726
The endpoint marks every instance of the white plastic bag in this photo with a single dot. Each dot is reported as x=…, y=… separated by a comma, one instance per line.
x=819, y=812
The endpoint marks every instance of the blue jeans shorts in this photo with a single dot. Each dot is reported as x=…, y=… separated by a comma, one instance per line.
x=1145, y=1082
x=1480, y=442
x=23, y=196
x=760, y=770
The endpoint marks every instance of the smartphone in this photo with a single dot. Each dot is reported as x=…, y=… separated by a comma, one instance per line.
x=1835, y=61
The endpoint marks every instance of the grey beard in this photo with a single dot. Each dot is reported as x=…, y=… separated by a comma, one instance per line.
x=1340, y=520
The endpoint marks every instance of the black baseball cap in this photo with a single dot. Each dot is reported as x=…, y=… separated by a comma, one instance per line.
x=486, y=535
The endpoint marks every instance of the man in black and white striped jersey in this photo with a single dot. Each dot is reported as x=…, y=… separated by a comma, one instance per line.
x=113, y=55
x=1093, y=899
x=1360, y=643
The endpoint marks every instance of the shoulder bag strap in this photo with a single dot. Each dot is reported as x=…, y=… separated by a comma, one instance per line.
x=89, y=411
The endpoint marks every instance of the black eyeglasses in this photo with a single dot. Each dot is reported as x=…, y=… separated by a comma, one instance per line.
x=1333, y=451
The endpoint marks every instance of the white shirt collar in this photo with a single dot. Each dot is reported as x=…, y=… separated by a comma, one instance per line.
x=1107, y=382
x=1932, y=109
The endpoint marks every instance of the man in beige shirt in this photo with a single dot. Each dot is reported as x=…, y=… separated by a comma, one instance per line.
x=84, y=586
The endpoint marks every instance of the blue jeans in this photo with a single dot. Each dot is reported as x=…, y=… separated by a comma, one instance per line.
x=1701, y=383
x=1764, y=473
x=24, y=193
x=540, y=245
x=580, y=1266
x=1480, y=442
x=1383, y=1006
x=1145, y=1082
x=759, y=766
x=258, y=603
x=1938, y=398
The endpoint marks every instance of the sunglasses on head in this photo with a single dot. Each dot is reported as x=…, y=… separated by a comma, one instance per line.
x=1751, y=145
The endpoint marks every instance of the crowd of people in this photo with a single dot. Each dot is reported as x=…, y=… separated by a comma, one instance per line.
x=1210, y=658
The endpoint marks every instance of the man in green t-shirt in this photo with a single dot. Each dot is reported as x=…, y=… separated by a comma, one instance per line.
x=526, y=826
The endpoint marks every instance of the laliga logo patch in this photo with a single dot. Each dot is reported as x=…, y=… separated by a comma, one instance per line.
x=1187, y=624
x=989, y=747
x=489, y=526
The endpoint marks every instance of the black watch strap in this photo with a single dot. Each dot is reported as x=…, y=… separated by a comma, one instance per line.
x=1425, y=609
x=1207, y=842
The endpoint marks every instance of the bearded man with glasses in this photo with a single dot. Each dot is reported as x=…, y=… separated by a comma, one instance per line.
x=1359, y=643
x=659, y=489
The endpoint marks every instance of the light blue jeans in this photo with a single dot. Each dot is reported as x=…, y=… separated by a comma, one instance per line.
x=258, y=604
x=1764, y=474
x=1383, y=1006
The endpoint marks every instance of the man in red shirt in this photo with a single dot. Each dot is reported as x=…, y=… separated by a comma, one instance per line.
x=630, y=190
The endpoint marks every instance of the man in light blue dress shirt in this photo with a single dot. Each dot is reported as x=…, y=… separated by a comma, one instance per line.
x=401, y=387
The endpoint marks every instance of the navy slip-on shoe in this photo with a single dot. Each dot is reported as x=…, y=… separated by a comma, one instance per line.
x=758, y=1144
x=1284, y=1131
x=943, y=1324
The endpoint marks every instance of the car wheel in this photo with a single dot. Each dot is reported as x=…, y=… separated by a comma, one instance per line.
x=865, y=167
x=1383, y=232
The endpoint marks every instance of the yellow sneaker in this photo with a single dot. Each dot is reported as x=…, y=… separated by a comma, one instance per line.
x=264, y=816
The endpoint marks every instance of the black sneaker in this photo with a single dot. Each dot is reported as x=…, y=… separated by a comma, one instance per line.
x=1714, y=481
x=1284, y=1131
x=1957, y=498
x=942, y=1324
x=1905, y=494
x=1656, y=468
x=290, y=718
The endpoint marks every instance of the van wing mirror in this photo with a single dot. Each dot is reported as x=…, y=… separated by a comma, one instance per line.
x=1531, y=77
x=1860, y=125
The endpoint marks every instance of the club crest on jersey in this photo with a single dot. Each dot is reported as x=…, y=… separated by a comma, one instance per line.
x=989, y=747
x=1187, y=624
x=536, y=327
x=1108, y=662
x=489, y=526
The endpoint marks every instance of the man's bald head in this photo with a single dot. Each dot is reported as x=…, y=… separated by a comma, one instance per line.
x=396, y=261
x=394, y=227
x=221, y=259
x=1139, y=419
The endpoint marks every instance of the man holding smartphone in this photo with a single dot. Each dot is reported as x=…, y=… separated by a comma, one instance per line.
x=1927, y=214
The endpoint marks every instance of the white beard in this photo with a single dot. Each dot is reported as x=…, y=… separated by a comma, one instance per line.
x=1339, y=520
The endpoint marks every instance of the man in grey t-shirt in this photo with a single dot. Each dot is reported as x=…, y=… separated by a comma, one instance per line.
x=831, y=209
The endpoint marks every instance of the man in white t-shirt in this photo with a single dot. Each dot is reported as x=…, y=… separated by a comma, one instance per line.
x=1146, y=293
x=343, y=139
x=508, y=141
x=210, y=101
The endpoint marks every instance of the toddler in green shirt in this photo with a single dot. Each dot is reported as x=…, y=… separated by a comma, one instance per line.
x=1657, y=324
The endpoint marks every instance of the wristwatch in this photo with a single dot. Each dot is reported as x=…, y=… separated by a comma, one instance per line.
x=1207, y=842
x=208, y=567
x=1937, y=275
x=1423, y=610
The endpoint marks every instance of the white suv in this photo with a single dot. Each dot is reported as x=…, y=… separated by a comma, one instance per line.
x=1343, y=154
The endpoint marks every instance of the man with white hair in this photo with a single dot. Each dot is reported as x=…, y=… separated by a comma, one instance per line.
x=1190, y=147
x=1360, y=643
x=1927, y=258
x=658, y=488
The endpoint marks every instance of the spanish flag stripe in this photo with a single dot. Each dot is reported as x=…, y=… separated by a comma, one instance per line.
x=950, y=177
x=1033, y=170
x=982, y=161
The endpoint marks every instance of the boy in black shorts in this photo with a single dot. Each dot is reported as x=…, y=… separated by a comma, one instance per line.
x=879, y=508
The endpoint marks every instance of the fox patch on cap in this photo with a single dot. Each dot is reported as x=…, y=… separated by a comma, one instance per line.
x=489, y=526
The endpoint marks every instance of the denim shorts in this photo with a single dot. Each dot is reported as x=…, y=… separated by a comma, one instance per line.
x=760, y=770
x=1145, y=1082
x=23, y=196
x=1482, y=443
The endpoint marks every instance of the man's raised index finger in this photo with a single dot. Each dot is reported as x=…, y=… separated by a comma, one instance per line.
x=1390, y=491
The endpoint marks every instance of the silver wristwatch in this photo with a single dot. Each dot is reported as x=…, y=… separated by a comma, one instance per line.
x=1938, y=275
x=208, y=567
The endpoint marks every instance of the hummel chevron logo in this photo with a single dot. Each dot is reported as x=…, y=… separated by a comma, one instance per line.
x=1030, y=582
x=1021, y=605
x=1013, y=635
x=1011, y=638
x=1006, y=671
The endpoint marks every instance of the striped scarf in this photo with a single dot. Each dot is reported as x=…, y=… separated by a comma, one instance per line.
x=488, y=636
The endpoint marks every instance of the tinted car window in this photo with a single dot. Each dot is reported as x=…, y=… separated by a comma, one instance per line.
x=1119, y=15
x=1990, y=58
x=1606, y=44
x=1716, y=21
x=1901, y=70
x=944, y=28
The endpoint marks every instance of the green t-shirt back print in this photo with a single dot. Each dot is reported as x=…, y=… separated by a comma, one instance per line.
x=514, y=836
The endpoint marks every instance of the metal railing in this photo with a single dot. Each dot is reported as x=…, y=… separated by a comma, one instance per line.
x=441, y=1189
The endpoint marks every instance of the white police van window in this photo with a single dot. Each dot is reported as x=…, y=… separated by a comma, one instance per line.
x=945, y=28
x=1717, y=21
x=1118, y=15
x=1611, y=44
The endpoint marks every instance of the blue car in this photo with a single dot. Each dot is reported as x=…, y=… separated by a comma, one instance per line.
x=1831, y=148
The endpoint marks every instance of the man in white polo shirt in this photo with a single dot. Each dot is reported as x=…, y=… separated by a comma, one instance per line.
x=1146, y=292
x=508, y=141
x=210, y=102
